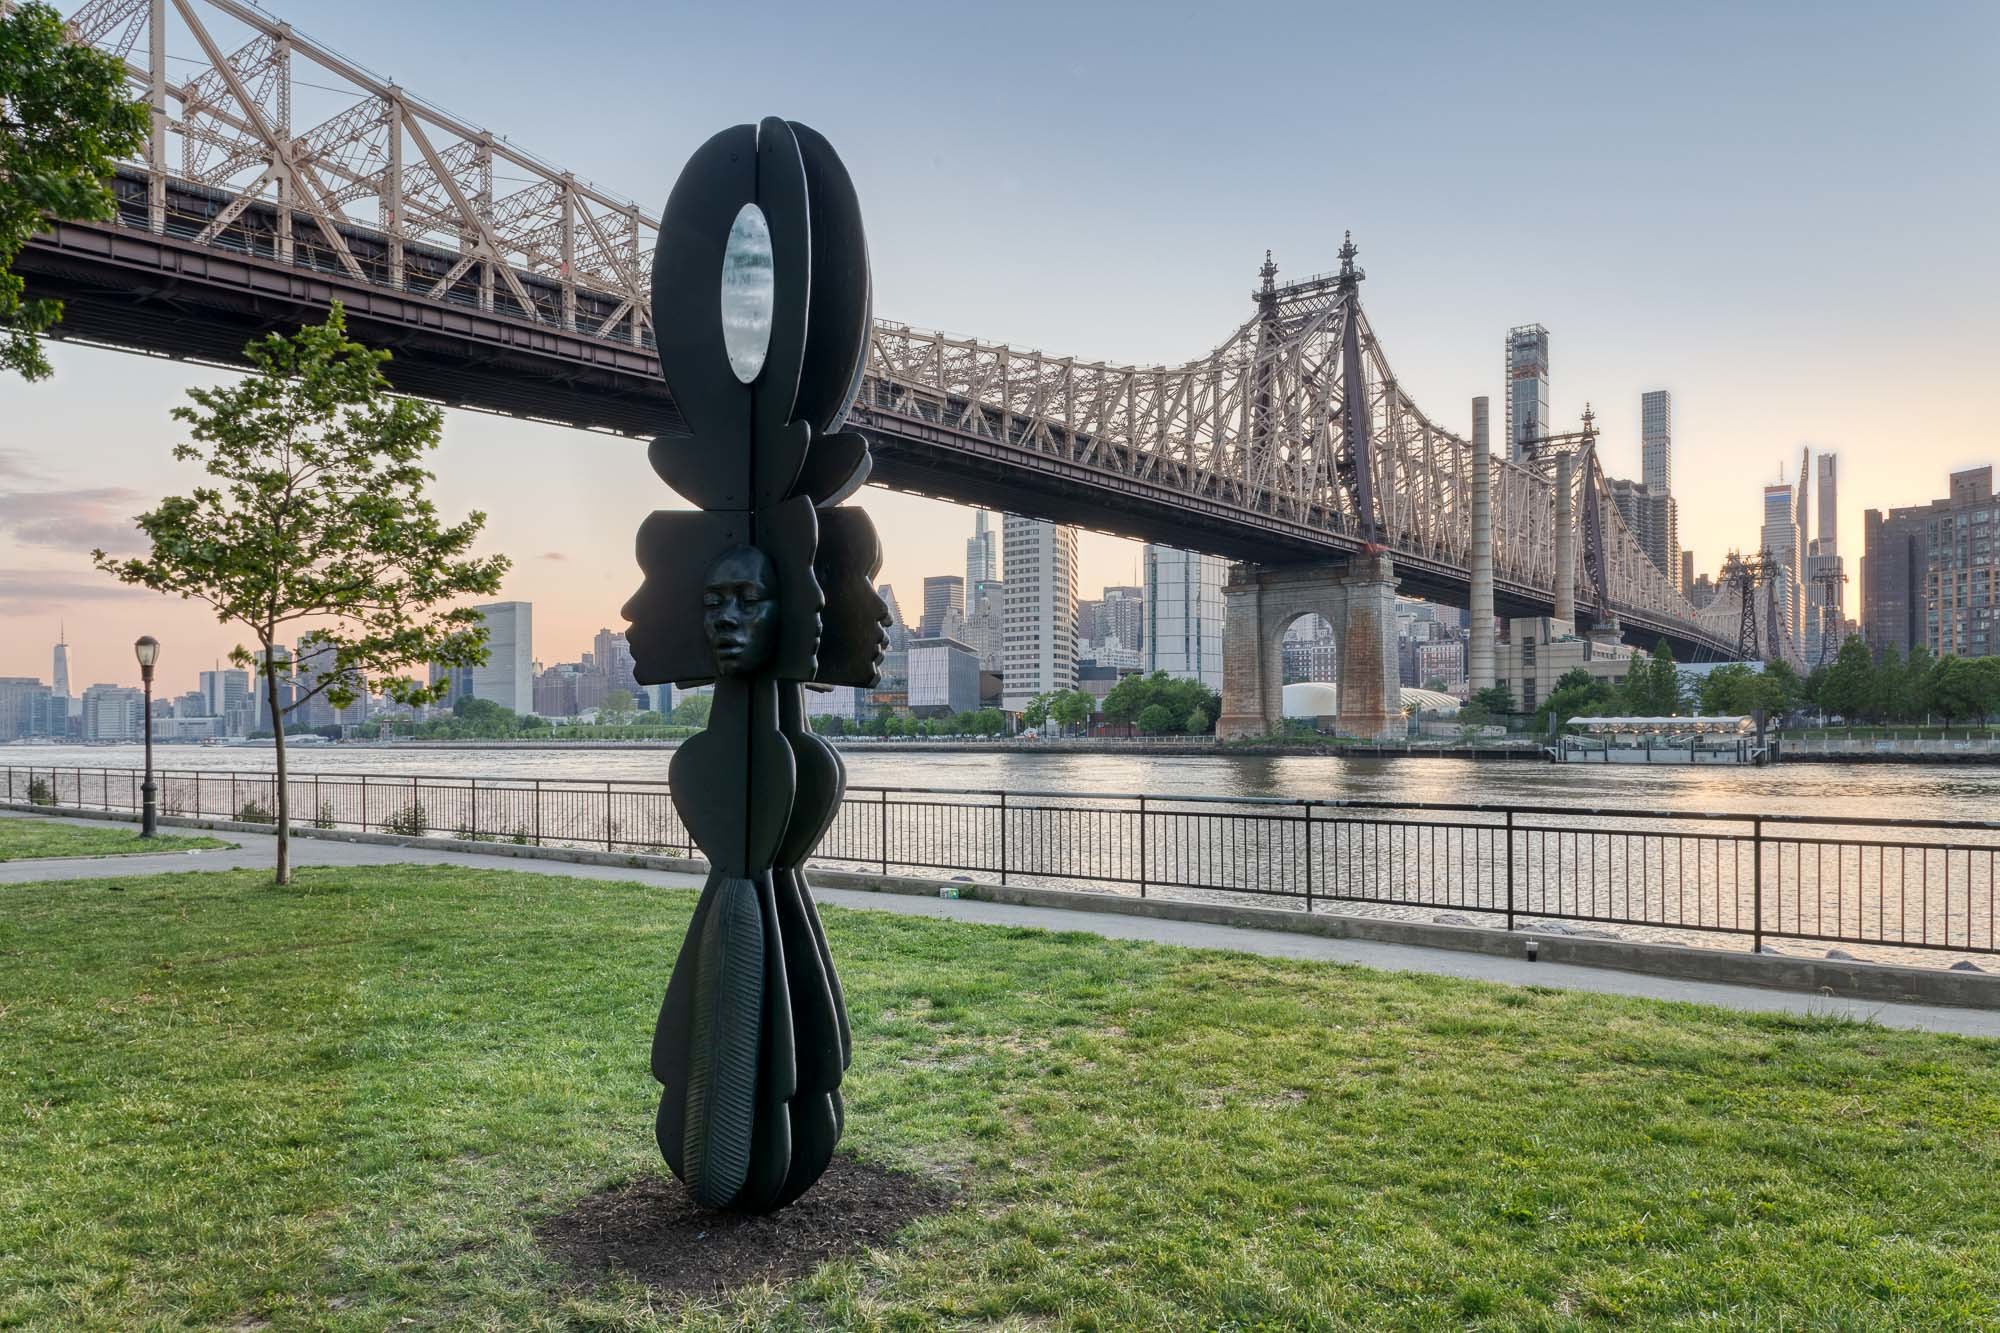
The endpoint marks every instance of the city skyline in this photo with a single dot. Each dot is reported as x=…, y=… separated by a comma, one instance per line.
x=1724, y=292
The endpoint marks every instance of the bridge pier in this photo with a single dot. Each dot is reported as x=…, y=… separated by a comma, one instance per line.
x=1357, y=598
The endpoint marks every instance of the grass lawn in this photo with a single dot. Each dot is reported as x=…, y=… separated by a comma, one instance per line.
x=27, y=839
x=348, y=1103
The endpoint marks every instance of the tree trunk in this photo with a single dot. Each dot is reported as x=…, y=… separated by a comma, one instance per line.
x=284, y=811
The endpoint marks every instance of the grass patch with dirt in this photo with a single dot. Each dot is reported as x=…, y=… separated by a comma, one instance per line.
x=356, y=1101
x=33, y=839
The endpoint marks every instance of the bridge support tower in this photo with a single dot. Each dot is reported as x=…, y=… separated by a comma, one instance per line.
x=1565, y=589
x=1357, y=598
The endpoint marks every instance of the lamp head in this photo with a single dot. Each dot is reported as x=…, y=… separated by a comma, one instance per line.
x=147, y=650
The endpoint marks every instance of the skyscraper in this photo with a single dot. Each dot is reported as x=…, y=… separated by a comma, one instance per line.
x=1930, y=574
x=985, y=616
x=24, y=707
x=943, y=593
x=1527, y=386
x=508, y=677
x=1654, y=520
x=1802, y=518
x=899, y=630
x=1656, y=441
x=313, y=660
x=982, y=562
x=60, y=688
x=1829, y=512
x=114, y=713
x=1825, y=572
x=1121, y=615
x=1038, y=619
x=1962, y=568
x=1780, y=537
x=225, y=693
x=457, y=681
x=260, y=703
x=613, y=655
x=1183, y=613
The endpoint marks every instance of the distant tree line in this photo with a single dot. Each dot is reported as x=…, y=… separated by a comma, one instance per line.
x=979, y=722
x=1916, y=688
x=1855, y=686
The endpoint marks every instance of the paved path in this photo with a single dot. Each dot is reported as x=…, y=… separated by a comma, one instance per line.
x=259, y=850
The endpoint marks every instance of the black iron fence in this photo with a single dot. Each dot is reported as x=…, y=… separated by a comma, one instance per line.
x=1903, y=883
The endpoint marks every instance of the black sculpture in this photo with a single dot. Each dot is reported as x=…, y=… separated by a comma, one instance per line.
x=761, y=311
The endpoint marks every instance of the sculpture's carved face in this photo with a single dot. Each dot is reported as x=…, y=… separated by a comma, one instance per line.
x=740, y=611
x=880, y=610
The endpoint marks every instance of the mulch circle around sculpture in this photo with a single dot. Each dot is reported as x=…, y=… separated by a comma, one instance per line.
x=651, y=1231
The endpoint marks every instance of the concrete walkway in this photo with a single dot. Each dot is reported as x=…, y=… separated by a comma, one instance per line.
x=258, y=851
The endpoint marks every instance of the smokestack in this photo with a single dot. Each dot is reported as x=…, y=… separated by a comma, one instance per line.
x=1479, y=659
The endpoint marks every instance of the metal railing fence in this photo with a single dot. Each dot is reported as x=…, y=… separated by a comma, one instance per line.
x=1904, y=883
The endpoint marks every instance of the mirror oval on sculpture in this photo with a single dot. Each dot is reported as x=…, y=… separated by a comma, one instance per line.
x=748, y=289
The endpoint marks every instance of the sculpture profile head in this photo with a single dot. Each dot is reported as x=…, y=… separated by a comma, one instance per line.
x=740, y=611
x=855, y=636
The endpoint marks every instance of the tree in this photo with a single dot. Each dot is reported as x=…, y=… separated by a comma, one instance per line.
x=1986, y=686
x=693, y=710
x=64, y=121
x=1577, y=693
x=1072, y=708
x=1782, y=690
x=1497, y=700
x=1918, y=696
x=1849, y=686
x=1156, y=718
x=1181, y=697
x=1890, y=696
x=320, y=516
x=1954, y=689
x=480, y=714
x=1814, y=692
x=617, y=708
x=1036, y=714
x=1654, y=687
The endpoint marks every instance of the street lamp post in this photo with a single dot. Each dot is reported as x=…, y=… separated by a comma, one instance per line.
x=147, y=650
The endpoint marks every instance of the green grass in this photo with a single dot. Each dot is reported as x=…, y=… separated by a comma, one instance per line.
x=26, y=839
x=347, y=1103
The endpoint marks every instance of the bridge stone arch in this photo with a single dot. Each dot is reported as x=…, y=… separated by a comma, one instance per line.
x=1357, y=597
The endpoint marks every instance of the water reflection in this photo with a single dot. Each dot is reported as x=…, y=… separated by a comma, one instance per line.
x=1873, y=791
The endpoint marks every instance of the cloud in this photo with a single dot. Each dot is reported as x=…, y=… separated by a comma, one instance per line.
x=39, y=591
x=554, y=555
x=13, y=463
x=75, y=520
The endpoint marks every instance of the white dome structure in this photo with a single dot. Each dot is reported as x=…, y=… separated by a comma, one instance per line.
x=1435, y=702
x=1311, y=698
x=1318, y=698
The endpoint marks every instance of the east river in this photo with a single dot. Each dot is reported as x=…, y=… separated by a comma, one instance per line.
x=1889, y=791
x=1877, y=890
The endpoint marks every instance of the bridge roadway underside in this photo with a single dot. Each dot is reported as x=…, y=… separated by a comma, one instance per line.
x=131, y=290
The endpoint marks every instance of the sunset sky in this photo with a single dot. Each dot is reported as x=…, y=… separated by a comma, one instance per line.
x=1783, y=214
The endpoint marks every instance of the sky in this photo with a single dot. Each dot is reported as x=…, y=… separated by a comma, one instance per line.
x=1781, y=213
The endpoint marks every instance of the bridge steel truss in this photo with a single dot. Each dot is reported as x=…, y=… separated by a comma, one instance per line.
x=1292, y=439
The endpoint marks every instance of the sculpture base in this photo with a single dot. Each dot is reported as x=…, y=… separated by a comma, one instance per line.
x=650, y=1231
